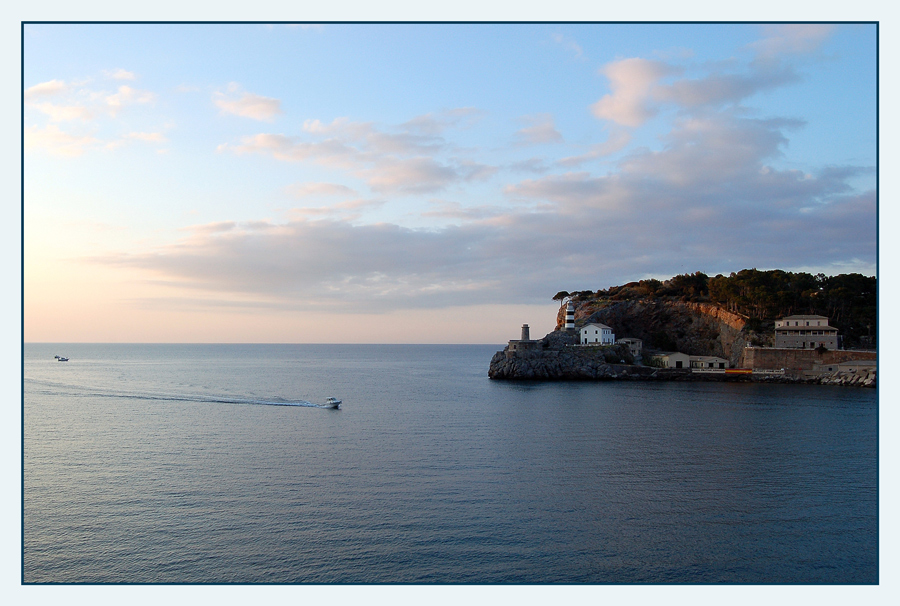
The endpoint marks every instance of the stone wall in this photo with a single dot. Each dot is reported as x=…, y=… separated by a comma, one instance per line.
x=798, y=360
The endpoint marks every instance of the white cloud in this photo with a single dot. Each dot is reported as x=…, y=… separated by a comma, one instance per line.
x=64, y=113
x=119, y=74
x=55, y=141
x=247, y=105
x=45, y=89
x=125, y=96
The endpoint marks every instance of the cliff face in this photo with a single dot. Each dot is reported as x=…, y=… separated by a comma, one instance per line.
x=691, y=328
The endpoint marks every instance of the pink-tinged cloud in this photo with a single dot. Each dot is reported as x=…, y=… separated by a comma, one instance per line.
x=411, y=175
x=126, y=96
x=632, y=80
x=64, y=113
x=248, y=105
x=45, y=89
x=711, y=199
x=55, y=141
x=400, y=162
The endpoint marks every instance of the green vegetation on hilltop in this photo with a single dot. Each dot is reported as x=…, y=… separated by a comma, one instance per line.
x=848, y=300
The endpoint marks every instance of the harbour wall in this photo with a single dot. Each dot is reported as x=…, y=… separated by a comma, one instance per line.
x=798, y=360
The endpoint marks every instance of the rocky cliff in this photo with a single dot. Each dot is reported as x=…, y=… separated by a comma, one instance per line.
x=556, y=358
x=692, y=328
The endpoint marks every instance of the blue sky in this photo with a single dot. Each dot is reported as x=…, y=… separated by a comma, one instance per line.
x=433, y=183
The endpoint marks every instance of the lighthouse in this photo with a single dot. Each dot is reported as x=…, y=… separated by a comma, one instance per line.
x=570, y=316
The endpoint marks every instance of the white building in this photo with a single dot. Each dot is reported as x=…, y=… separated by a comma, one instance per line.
x=708, y=362
x=597, y=334
x=672, y=359
x=805, y=332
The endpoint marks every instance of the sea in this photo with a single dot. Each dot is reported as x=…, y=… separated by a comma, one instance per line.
x=217, y=464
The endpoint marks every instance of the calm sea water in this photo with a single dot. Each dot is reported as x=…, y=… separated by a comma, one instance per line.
x=187, y=464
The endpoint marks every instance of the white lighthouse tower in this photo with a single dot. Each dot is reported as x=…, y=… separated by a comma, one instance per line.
x=570, y=316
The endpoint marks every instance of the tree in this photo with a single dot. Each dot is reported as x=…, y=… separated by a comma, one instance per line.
x=561, y=296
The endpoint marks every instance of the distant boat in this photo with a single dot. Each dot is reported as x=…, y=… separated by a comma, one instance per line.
x=61, y=359
x=331, y=403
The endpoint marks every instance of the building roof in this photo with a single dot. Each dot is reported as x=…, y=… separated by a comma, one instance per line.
x=597, y=324
x=803, y=317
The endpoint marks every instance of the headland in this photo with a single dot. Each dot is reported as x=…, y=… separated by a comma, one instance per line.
x=691, y=338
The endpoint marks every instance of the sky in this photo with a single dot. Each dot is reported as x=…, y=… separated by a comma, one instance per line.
x=426, y=183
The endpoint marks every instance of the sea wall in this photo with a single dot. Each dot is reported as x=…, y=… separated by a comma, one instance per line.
x=557, y=358
x=798, y=360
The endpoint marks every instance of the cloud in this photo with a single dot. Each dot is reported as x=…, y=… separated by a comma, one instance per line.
x=435, y=124
x=710, y=200
x=305, y=190
x=348, y=210
x=791, y=38
x=568, y=43
x=364, y=135
x=247, y=105
x=540, y=131
x=119, y=74
x=399, y=162
x=618, y=139
x=45, y=89
x=632, y=82
x=719, y=89
x=640, y=90
x=57, y=142
x=64, y=113
x=409, y=175
x=125, y=96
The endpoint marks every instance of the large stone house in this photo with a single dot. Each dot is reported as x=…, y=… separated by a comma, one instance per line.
x=805, y=332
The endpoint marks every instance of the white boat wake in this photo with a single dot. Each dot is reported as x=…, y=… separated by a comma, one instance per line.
x=87, y=391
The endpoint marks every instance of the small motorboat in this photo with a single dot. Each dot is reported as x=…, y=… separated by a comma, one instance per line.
x=61, y=359
x=331, y=403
